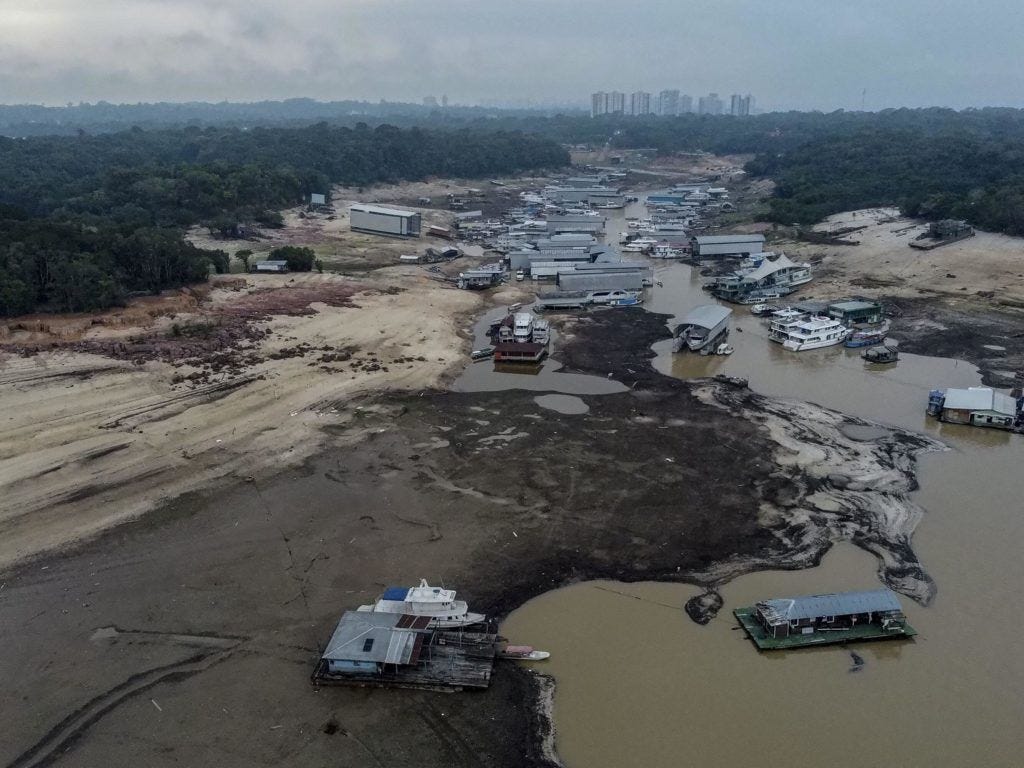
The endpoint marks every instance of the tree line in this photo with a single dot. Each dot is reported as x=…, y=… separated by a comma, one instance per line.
x=87, y=220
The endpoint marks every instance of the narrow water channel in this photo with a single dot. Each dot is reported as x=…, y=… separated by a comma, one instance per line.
x=638, y=683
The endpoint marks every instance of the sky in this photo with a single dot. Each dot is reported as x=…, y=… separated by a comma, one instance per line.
x=790, y=54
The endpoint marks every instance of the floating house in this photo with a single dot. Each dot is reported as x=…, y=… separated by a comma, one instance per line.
x=394, y=649
x=852, y=312
x=702, y=328
x=668, y=200
x=573, y=223
x=793, y=622
x=977, y=406
x=601, y=280
x=770, y=279
x=519, y=352
x=709, y=246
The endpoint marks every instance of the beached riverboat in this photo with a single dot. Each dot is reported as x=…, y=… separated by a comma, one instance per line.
x=437, y=604
x=815, y=333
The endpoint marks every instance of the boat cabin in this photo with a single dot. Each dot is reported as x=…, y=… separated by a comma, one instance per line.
x=365, y=642
x=977, y=406
x=811, y=614
x=850, y=312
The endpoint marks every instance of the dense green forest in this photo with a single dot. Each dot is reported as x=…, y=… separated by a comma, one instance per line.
x=86, y=220
x=20, y=120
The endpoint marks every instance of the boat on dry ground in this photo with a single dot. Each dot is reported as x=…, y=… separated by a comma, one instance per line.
x=439, y=605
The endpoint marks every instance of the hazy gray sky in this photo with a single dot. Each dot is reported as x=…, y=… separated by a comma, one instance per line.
x=789, y=53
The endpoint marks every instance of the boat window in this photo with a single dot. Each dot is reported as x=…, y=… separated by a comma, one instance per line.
x=367, y=645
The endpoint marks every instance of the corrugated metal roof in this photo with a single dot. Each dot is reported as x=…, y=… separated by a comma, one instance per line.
x=381, y=210
x=723, y=239
x=707, y=316
x=980, y=399
x=613, y=266
x=768, y=268
x=608, y=281
x=840, y=604
x=576, y=218
x=374, y=637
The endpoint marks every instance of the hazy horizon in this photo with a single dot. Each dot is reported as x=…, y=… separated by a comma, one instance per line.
x=795, y=55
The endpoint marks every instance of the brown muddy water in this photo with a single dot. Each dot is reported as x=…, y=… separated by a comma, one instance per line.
x=638, y=683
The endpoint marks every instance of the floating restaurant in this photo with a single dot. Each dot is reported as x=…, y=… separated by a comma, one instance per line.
x=795, y=622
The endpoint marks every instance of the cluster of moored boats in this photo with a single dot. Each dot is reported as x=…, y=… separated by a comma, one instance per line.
x=798, y=331
x=705, y=329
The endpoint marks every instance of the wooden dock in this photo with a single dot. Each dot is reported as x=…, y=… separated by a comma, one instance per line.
x=452, y=661
x=856, y=634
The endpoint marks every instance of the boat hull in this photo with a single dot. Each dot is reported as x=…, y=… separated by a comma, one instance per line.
x=802, y=346
x=437, y=622
x=864, y=342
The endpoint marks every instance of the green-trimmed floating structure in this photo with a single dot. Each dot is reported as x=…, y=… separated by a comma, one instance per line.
x=846, y=617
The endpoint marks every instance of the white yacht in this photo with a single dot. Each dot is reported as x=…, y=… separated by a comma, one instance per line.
x=522, y=326
x=814, y=333
x=425, y=600
x=783, y=321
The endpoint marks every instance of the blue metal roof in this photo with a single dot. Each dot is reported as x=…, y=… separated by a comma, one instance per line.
x=841, y=604
x=395, y=593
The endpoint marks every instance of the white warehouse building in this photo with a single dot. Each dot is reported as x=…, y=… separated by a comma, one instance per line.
x=377, y=220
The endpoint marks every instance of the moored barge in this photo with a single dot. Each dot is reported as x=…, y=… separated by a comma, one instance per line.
x=798, y=622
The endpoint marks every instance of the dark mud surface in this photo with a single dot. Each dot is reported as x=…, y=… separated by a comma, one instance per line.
x=221, y=601
x=990, y=338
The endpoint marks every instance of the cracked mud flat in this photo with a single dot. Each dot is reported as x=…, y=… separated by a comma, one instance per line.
x=496, y=495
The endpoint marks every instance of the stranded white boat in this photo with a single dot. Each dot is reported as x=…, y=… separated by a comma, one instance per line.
x=440, y=604
x=525, y=652
x=522, y=326
x=815, y=333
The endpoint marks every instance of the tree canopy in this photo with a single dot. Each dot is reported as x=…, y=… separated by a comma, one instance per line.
x=87, y=220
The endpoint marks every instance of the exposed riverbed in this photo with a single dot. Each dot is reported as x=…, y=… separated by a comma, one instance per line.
x=638, y=682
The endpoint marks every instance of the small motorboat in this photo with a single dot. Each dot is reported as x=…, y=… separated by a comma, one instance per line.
x=724, y=349
x=880, y=355
x=625, y=301
x=866, y=338
x=482, y=354
x=763, y=309
x=523, y=652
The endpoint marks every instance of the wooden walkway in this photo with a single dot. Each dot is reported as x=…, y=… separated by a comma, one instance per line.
x=460, y=662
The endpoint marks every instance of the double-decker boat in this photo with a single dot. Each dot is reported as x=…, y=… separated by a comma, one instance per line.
x=440, y=604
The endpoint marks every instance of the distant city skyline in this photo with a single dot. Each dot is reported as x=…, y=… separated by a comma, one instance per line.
x=800, y=55
x=668, y=102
